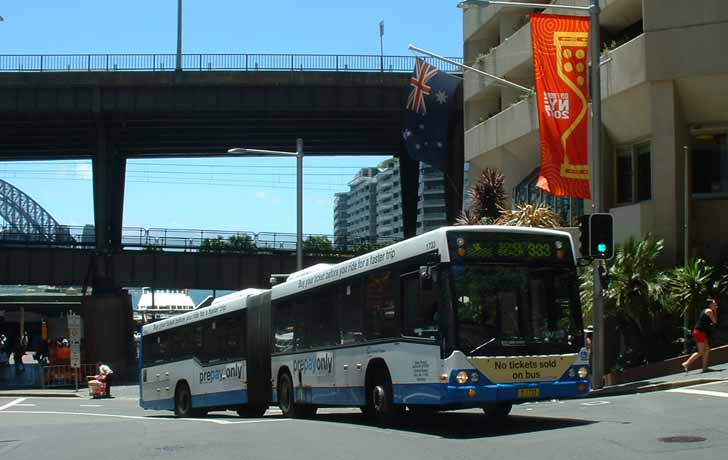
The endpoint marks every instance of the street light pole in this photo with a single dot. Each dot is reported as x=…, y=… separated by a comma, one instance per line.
x=299, y=187
x=299, y=204
x=596, y=144
x=595, y=153
x=381, y=45
x=178, y=65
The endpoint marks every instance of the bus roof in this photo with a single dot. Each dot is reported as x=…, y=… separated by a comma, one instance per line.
x=222, y=305
x=432, y=241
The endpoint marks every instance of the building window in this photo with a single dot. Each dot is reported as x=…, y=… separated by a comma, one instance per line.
x=634, y=173
x=710, y=163
x=569, y=209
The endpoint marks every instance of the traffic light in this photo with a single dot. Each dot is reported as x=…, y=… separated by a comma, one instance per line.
x=601, y=236
x=596, y=236
x=584, y=235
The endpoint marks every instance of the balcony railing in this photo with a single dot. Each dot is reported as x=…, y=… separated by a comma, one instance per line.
x=210, y=62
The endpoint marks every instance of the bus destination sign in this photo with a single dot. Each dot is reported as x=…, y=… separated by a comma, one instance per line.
x=511, y=247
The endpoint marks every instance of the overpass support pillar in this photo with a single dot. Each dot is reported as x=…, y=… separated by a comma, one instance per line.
x=109, y=170
x=108, y=328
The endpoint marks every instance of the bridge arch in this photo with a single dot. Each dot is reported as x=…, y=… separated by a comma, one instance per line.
x=27, y=220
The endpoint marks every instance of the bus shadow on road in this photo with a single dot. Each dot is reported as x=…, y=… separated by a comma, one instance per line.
x=465, y=425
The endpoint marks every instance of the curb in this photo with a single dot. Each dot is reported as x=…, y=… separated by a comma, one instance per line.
x=21, y=394
x=607, y=392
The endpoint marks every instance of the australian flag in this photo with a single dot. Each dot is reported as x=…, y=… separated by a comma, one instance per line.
x=429, y=105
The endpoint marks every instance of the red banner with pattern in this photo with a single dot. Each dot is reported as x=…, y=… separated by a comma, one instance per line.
x=560, y=64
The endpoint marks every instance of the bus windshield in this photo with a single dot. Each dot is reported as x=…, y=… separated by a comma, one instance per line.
x=516, y=310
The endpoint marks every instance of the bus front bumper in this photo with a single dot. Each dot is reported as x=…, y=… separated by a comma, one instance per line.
x=480, y=395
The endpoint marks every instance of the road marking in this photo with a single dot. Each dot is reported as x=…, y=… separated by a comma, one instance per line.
x=91, y=405
x=699, y=392
x=596, y=403
x=139, y=417
x=12, y=403
x=25, y=405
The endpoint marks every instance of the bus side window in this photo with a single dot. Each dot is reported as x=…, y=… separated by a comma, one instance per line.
x=283, y=327
x=420, y=308
x=351, y=312
x=382, y=318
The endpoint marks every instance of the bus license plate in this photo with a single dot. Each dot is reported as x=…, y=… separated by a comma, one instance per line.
x=524, y=393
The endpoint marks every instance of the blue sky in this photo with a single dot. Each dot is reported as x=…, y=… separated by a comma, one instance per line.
x=251, y=194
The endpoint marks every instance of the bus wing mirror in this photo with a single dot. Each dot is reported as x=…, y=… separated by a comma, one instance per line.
x=425, y=278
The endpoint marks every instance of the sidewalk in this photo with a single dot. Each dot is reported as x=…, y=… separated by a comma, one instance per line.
x=694, y=377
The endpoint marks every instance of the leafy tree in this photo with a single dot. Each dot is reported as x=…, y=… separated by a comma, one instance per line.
x=213, y=245
x=318, y=245
x=240, y=243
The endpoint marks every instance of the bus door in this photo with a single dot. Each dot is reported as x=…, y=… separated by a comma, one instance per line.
x=351, y=353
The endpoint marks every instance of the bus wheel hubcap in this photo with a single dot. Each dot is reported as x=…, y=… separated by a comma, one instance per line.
x=378, y=398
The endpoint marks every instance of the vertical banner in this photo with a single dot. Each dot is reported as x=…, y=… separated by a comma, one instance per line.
x=560, y=65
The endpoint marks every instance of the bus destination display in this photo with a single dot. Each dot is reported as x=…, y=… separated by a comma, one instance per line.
x=512, y=247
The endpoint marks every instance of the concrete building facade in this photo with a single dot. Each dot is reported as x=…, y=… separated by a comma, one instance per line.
x=664, y=85
x=355, y=211
x=372, y=208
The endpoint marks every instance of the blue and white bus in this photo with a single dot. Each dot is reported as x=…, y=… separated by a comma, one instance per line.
x=460, y=317
x=208, y=359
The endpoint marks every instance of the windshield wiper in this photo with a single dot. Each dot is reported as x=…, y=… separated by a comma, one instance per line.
x=481, y=346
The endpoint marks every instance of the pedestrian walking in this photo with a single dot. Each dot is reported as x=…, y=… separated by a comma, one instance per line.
x=107, y=375
x=20, y=350
x=4, y=350
x=707, y=320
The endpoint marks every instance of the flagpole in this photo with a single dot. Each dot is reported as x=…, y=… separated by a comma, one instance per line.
x=502, y=81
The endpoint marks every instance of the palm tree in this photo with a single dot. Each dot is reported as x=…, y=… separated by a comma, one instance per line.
x=487, y=197
x=636, y=288
x=688, y=286
x=528, y=215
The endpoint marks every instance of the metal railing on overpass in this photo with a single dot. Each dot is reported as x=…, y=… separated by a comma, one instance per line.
x=190, y=240
x=213, y=62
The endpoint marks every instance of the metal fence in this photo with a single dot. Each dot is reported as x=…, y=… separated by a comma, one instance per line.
x=66, y=376
x=217, y=62
x=156, y=239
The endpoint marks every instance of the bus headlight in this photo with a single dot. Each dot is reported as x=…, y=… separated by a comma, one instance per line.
x=583, y=372
x=474, y=377
x=462, y=377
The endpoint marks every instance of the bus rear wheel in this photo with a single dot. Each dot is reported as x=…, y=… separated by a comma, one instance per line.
x=286, y=400
x=183, y=401
x=380, y=400
x=497, y=412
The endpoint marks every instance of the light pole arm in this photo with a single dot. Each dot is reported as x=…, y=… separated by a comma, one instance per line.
x=475, y=3
x=502, y=81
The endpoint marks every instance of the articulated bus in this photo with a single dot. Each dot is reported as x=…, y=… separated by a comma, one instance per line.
x=214, y=358
x=459, y=317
